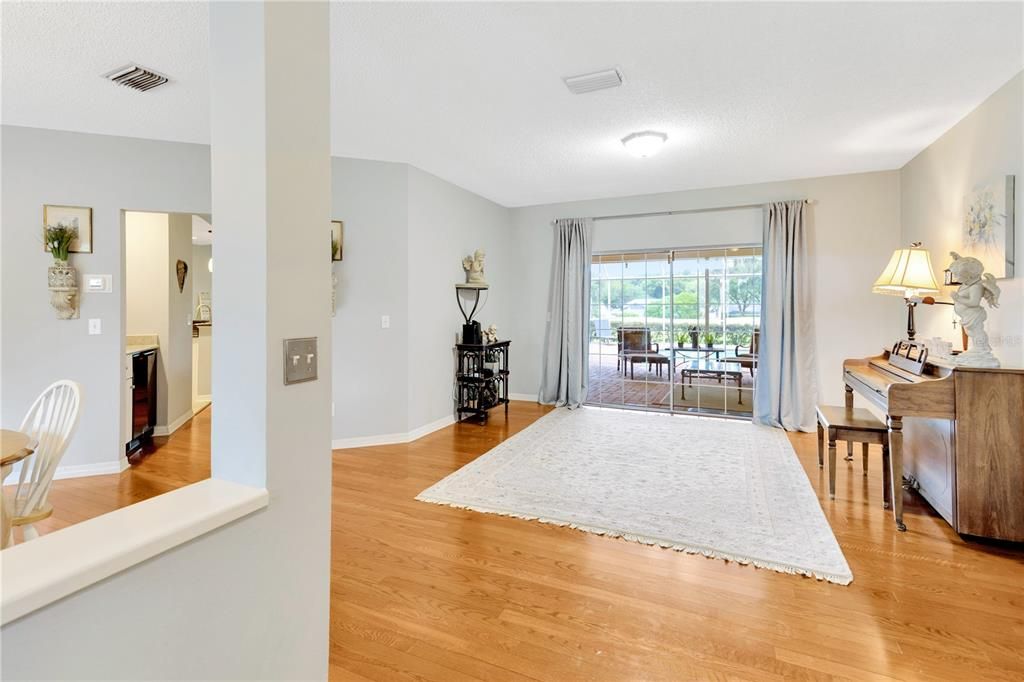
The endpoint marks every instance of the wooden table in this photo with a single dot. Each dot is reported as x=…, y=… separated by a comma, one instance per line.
x=14, y=447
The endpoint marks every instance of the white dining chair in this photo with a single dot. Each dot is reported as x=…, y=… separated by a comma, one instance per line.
x=50, y=422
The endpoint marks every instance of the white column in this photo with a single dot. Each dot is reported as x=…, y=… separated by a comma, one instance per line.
x=270, y=138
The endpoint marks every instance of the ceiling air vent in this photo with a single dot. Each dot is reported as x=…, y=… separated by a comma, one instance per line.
x=135, y=77
x=589, y=82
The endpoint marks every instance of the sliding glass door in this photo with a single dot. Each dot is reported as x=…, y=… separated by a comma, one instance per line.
x=675, y=330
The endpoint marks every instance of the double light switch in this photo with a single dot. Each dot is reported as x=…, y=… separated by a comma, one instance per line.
x=299, y=360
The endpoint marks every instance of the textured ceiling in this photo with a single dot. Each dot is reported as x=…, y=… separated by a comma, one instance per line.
x=748, y=92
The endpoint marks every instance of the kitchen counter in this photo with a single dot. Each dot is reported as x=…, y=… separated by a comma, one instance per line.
x=137, y=343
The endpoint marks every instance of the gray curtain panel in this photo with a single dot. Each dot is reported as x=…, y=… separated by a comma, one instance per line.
x=786, y=389
x=564, y=375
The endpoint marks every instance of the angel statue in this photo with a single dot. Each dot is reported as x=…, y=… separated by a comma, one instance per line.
x=976, y=286
x=474, y=267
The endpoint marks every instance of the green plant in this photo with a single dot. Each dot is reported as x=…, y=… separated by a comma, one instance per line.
x=709, y=339
x=58, y=239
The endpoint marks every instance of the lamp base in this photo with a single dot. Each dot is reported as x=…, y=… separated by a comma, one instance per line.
x=911, y=304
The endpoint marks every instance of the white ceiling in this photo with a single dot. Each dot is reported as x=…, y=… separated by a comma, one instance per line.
x=748, y=92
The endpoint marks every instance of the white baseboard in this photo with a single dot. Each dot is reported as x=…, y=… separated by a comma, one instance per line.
x=174, y=425
x=528, y=397
x=392, y=438
x=98, y=469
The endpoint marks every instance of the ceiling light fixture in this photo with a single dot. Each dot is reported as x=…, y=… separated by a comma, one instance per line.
x=644, y=144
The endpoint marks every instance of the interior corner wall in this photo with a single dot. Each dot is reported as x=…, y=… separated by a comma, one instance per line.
x=447, y=223
x=855, y=227
x=370, y=363
x=146, y=291
x=987, y=145
x=108, y=174
x=178, y=351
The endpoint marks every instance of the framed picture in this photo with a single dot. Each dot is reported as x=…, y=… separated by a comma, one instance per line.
x=337, y=239
x=73, y=216
x=988, y=225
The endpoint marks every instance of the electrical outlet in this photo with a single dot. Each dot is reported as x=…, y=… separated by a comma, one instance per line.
x=385, y=322
x=95, y=326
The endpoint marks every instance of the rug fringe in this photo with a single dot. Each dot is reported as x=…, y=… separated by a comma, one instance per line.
x=631, y=537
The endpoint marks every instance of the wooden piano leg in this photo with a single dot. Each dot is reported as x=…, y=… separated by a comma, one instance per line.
x=896, y=469
x=864, y=457
x=848, y=397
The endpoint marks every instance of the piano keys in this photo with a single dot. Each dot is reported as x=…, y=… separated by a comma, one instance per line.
x=956, y=434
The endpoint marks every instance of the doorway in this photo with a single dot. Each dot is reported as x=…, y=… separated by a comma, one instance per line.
x=676, y=330
x=168, y=263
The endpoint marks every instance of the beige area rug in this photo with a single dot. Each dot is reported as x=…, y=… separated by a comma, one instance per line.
x=721, y=488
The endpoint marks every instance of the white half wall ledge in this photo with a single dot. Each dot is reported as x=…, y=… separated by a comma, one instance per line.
x=53, y=566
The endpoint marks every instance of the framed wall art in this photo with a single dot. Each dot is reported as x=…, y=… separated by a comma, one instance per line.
x=78, y=217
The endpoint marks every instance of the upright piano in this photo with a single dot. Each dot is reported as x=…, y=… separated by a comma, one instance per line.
x=956, y=434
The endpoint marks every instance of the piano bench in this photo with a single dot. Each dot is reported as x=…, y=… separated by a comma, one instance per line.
x=853, y=425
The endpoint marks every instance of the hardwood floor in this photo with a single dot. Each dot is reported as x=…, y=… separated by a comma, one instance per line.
x=177, y=460
x=432, y=593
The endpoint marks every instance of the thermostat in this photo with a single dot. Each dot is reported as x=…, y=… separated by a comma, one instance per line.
x=97, y=284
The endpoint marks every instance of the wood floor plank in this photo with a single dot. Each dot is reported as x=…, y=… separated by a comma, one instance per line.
x=427, y=592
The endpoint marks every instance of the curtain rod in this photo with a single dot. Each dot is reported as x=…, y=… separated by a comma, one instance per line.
x=685, y=210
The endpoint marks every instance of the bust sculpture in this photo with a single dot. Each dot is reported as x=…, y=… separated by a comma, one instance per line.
x=474, y=267
x=976, y=286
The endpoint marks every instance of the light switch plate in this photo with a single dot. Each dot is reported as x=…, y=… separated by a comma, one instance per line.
x=95, y=326
x=300, y=360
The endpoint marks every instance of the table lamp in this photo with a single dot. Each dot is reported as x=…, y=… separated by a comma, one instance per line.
x=909, y=274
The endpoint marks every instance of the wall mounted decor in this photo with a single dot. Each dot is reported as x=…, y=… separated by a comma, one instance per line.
x=181, y=268
x=337, y=239
x=61, y=278
x=78, y=217
x=989, y=225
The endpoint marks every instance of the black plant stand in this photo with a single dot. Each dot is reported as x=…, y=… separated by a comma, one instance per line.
x=481, y=378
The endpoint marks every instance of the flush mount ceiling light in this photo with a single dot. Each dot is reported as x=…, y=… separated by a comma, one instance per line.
x=644, y=144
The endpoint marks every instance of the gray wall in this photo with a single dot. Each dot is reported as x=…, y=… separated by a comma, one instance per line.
x=855, y=229
x=986, y=145
x=405, y=234
x=447, y=223
x=370, y=365
x=109, y=174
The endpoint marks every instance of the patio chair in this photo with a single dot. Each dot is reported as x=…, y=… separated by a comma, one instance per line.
x=634, y=341
x=749, y=358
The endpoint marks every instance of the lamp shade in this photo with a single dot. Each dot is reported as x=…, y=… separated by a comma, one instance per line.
x=909, y=273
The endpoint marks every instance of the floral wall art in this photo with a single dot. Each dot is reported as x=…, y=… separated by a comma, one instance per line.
x=989, y=225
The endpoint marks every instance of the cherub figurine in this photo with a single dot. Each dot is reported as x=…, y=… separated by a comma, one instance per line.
x=474, y=267
x=491, y=334
x=976, y=286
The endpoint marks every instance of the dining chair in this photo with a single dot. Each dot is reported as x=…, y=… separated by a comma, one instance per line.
x=50, y=422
